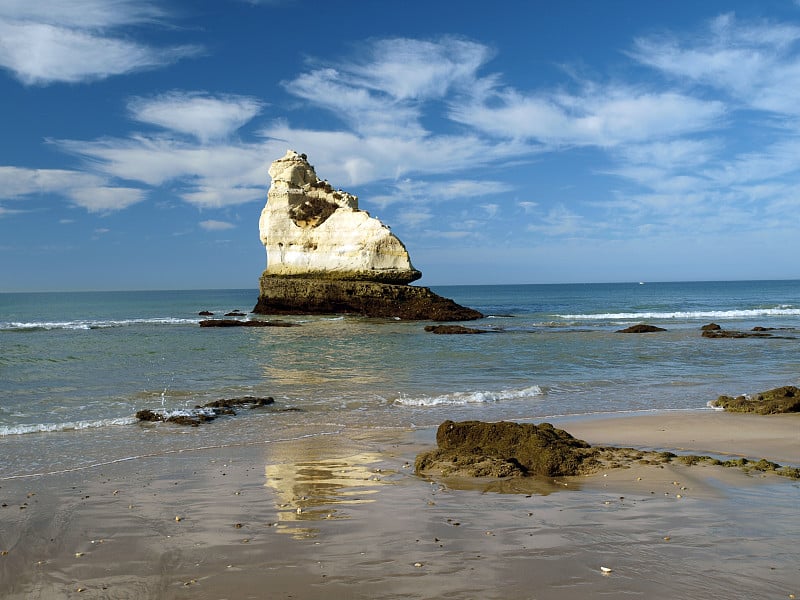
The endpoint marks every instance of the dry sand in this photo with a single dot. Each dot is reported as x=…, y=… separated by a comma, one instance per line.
x=345, y=517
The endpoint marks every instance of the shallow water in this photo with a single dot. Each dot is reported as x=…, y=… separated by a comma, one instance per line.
x=75, y=367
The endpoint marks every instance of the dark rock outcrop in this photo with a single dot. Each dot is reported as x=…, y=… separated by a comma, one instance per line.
x=281, y=295
x=784, y=399
x=205, y=313
x=711, y=327
x=641, y=328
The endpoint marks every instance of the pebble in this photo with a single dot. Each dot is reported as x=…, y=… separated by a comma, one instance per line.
x=667, y=538
x=605, y=570
x=79, y=554
x=179, y=519
x=418, y=564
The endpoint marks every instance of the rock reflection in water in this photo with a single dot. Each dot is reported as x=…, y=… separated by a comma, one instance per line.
x=312, y=491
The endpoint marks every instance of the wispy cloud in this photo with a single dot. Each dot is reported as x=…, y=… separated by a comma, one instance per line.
x=756, y=63
x=50, y=41
x=599, y=116
x=84, y=189
x=213, y=225
x=202, y=115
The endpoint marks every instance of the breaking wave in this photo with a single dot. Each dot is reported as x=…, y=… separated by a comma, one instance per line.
x=68, y=426
x=463, y=398
x=780, y=311
x=86, y=324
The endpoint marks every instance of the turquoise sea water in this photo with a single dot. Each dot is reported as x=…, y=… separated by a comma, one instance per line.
x=75, y=367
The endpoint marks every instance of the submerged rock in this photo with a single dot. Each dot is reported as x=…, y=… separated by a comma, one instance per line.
x=453, y=329
x=725, y=333
x=784, y=399
x=325, y=256
x=250, y=323
x=641, y=328
x=479, y=449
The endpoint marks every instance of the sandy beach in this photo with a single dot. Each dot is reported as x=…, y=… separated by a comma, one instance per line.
x=344, y=516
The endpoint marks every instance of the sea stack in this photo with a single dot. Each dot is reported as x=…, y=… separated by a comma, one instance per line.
x=325, y=256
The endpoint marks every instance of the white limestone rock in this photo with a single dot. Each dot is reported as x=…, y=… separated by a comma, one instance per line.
x=311, y=230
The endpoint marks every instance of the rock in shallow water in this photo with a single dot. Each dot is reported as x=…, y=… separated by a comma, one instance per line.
x=325, y=256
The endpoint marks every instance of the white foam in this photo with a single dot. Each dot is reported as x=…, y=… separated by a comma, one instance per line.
x=85, y=324
x=780, y=311
x=68, y=426
x=464, y=398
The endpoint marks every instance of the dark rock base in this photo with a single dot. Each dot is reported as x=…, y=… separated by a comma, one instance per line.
x=301, y=296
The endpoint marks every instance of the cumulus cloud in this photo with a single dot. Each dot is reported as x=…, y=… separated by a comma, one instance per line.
x=202, y=115
x=49, y=41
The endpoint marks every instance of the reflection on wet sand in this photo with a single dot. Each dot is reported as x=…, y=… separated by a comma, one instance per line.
x=312, y=490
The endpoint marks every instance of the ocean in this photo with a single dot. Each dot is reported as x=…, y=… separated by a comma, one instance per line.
x=76, y=367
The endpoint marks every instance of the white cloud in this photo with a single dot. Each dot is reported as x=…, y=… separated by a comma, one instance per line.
x=383, y=93
x=89, y=191
x=421, y=191
x=209, y=175
x=212, y=225
x=599, y=116
x=491, y=209
x=757, y=63
x=559, y=221
x=199, y=114
x=105, y=199
x=48, y=42
x=81, y=13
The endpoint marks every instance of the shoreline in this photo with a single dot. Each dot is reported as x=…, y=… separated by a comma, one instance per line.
x=335, y=516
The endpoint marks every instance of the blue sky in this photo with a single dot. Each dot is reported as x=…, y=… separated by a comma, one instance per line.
x=521, y=142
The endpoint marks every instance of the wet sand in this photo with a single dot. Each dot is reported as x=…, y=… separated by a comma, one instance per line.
x=344, y=516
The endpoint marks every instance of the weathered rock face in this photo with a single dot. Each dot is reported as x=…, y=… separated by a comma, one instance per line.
x=325, y=256
x=311, y=230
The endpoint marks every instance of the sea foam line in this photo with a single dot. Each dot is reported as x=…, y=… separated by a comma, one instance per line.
x=85, y=324
x=68, y=426
x=701, y=314
x=464, y=398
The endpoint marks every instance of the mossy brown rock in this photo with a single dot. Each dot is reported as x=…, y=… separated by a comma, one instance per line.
x=784, y=399
x=479, y=449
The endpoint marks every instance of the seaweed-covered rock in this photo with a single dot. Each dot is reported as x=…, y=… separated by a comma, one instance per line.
x=711, y=327
x=784, y=399
x=479, y=449
x=641, y=328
